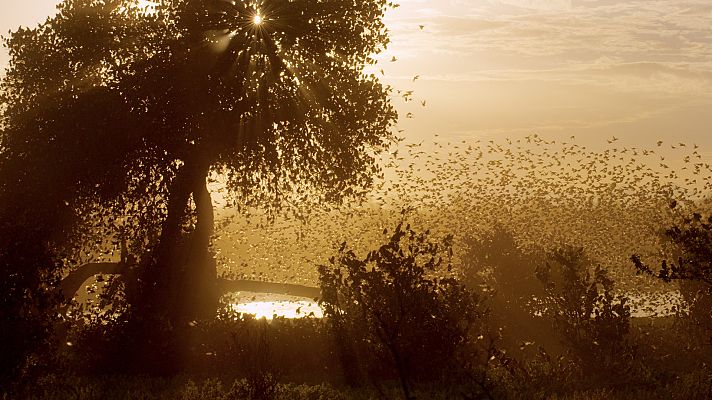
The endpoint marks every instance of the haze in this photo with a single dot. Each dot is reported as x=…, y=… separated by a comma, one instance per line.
x=216, y=199
x=637, y=70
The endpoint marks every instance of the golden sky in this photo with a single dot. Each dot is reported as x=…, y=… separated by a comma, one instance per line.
x=639, y=70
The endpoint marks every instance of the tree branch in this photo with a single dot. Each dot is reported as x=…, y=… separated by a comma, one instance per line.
x=237, y=285
x=74, y=281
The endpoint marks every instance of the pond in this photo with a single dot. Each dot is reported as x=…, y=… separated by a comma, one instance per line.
x=269, y=305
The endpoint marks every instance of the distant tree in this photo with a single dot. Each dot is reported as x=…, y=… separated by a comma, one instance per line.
x=399, y=308
x=692, y=239
x=592, y=320
x=508, y=271
x=114, y=115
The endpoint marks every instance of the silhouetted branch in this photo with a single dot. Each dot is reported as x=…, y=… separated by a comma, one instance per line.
x=74, y=281
x=684, y=270
x=237, y=285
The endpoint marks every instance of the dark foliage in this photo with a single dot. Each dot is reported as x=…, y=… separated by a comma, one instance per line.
x=397, y=312
x=693, y=238
x=692, y=241
x=113, y=117
x=591, y=319
x=498, y=263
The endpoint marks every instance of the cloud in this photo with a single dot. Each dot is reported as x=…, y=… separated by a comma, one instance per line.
x=653, y=46
x=653, y=79
x=542, y=5
x=594, y=67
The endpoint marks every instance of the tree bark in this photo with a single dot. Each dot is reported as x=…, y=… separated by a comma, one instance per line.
x=197, y=286
x=181, y=267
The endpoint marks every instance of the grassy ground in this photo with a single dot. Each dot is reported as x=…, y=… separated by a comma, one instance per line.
x=689, y=387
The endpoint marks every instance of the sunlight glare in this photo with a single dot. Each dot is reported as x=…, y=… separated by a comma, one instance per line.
x=142, y=7
x=148, y=6
x=257, y=19
x=286, y=309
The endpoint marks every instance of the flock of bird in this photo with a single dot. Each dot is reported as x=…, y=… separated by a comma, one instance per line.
x=613, y=202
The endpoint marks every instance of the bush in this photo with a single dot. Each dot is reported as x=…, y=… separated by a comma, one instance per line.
x=398, y=312
x=692, y=239
x=592, y=321
x=496, y=261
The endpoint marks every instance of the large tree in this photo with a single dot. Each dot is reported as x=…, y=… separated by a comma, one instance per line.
x=114, y=113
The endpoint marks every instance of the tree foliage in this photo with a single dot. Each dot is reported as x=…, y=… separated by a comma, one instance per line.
x=592, y=320
x=108, y=102
x=495, y=260
x=114, y=115
x=692, y=241
x=398, y=307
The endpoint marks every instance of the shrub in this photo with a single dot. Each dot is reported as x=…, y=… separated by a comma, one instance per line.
x=592, y=321
x=692, y=239
x=496, y=261
x=398, y=310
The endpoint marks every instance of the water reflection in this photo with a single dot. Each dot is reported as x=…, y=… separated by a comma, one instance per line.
x=268, y=305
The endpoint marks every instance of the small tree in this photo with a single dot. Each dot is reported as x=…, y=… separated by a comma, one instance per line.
x=497, y=260
x=692, y=239
x=398, y=307
x=581, y=303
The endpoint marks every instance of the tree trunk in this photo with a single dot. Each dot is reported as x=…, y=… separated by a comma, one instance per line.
x=177, y=285
x=197, y=287
x=180, y=282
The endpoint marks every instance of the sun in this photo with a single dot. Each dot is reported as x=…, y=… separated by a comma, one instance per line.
x=257, y=19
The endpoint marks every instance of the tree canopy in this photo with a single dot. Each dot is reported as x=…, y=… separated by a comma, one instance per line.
x=108, y=92
x=114, y=112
